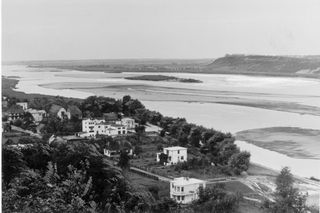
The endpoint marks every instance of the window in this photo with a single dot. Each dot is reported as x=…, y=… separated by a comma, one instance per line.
x=182, y=197
x=178, y=198
x=119, y=132
x=181, y=157
x=178, y=151
x=182, y=188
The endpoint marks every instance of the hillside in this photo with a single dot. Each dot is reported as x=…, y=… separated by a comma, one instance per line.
x=267, y=65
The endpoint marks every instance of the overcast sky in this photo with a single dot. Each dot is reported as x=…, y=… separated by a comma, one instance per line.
x=101, y=29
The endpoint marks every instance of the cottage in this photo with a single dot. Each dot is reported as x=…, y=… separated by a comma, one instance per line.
x=175, y=155
x=185, y=190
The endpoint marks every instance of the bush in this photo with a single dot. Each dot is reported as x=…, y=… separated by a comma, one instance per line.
x=17, y=123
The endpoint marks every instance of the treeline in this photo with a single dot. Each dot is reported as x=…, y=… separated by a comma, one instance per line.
x=218, y=148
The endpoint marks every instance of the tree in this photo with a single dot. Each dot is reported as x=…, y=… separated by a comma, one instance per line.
x=138, y=150
x=195, y=136
x=287, y=198
x=239, y=162
x=12, y=163
x=124, y=160
x=163, y=158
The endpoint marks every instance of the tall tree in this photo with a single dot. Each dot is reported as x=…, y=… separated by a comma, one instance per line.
x=287, y=198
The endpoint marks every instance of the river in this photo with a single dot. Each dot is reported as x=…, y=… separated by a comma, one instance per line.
x=194, y=102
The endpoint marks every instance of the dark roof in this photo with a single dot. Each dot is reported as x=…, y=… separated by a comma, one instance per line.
x=112, y=116
x=15, y=109
x=74, y=110
x=54, y=109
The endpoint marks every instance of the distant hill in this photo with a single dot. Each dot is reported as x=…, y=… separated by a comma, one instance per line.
x=308, y=66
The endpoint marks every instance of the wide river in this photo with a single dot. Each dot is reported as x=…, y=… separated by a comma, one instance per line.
x=210, y=103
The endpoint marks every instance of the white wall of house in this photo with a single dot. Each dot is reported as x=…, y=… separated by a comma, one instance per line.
x=24, y=105
x=98, y=126
x=37, y=115
x=175, y=154
x=128, y=122
x=185, y=190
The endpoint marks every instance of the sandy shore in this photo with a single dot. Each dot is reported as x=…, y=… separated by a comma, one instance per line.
x=293, y=142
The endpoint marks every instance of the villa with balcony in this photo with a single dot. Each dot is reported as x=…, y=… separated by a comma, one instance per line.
x=184, y=190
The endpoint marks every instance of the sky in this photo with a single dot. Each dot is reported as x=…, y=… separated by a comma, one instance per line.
x=112, y=29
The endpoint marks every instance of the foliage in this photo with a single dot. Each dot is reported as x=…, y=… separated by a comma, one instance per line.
x=193, y=163
x=288, y=198
x=239, y=162
x=163, y=158
x=124, y=160
x=216, y=199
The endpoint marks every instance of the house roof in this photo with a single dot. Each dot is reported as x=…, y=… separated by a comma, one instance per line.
x=173, y=148
x=112, y=116
x=74, y=110
x=182, y=181
x=54, y=109
x=15, y=109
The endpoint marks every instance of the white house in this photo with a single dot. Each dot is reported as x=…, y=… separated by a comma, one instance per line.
x=93, y=127
x=37, y=115
x=24, y=105
x=116, y=153
x=185, y=190
x=175, y=154
x=128, y=122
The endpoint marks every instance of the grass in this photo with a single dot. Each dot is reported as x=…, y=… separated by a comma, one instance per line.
x=140, y=181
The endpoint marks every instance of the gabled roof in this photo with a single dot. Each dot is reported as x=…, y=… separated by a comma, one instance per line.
x=112, y=116
x=54, y=109
x=15, y=109
x=74, y=110
x=182, y=181
x=173, y=148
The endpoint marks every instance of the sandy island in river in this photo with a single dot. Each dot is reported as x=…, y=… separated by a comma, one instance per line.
x=291, y=141
x=155, y=93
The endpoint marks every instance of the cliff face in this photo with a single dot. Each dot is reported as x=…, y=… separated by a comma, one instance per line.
x=277, y=65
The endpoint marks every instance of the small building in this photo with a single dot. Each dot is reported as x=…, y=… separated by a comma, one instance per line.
x=116, y=153
x=14, y=112
x=175, y=154
x=185, y=190
x=24, y=105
